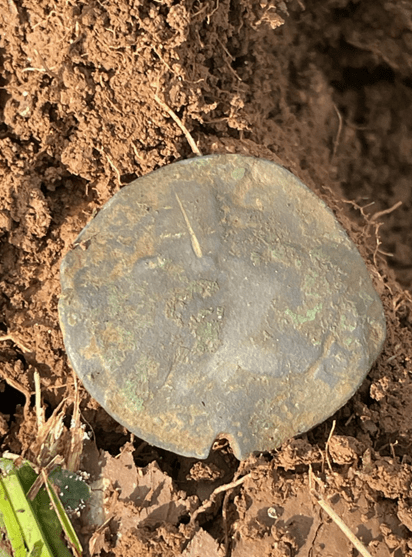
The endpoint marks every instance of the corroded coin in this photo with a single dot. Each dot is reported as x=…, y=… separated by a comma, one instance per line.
x=218, y=296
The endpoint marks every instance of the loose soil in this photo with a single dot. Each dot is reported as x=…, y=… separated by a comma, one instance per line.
x=324, y=88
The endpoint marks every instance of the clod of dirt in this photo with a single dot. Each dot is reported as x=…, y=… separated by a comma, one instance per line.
x=203, y=544
x=127, y=500
x=219, y=296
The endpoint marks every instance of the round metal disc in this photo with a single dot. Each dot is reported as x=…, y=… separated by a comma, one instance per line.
x=218, y=296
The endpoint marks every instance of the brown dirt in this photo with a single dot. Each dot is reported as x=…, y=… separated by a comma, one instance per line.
x=322, y=87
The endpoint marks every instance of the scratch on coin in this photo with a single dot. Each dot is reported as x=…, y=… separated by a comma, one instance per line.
x=193, y=239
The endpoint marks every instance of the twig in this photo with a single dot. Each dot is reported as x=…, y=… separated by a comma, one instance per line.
x=179, y=122
x=338, y=521
x=332, y=429
x=209, y=502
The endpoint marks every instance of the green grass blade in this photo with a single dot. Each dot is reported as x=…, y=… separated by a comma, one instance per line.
x=11, y=523
x=46, y=516
x=64, y=520
x=26, y=519
x=33, y=527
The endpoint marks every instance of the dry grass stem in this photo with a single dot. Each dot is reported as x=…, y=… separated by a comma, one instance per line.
x=332, y=429
x=339, y=522
x=178, y=121
x=336, y=518
x=49, y=434
x=38, y=482
x=39, y=409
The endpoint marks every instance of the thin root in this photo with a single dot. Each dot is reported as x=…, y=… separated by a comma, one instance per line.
x=386, y=211
x=109, y=160
x=17, y=342
x=114, y=168
x=209, y=502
